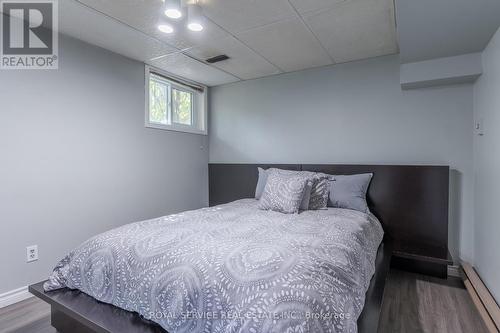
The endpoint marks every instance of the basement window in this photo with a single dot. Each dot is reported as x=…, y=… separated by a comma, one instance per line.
x=175, y=104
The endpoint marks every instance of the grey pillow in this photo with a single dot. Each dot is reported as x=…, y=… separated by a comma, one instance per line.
x=350, y=192
x=319, y=191
x=262, y=181
x=304, y=205
x=283, y=192
x=319, y=186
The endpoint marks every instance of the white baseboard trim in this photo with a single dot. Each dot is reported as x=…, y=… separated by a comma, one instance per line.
x=487, y=306
x=14, y=296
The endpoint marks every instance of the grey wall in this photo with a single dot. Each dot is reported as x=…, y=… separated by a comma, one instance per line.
x=464, y=68
x=76, y=159
x=351, y=113
x=487, y=167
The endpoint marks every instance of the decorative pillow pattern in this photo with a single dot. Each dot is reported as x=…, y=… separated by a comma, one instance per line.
x=283, y=192
x=319, y=192
x=304, y=205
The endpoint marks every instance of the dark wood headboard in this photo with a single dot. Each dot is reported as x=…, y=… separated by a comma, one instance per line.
x=411, y=202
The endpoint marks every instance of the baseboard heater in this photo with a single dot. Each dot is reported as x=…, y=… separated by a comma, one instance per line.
x=485, y=303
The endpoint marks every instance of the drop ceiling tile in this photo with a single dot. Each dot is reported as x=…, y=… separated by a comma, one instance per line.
x=184, y=38
x=307, y=6
x=186, y=67
x=81, y=22
x=243, y=62
x=287, y=44
x=144, y=15
x=240, y=15
x=356, y=29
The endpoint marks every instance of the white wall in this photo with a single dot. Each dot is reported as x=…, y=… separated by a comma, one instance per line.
x=76, y=159
x=487, y=168
x=351, y=113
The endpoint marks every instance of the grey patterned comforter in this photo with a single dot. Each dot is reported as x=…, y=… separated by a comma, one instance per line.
x=232, y=268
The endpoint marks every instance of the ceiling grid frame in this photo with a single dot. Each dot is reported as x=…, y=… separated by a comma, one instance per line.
x=247, y=46
x=311, y=31
x=317, y=7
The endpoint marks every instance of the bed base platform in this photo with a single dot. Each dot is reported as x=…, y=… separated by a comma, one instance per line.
x=75, y=312
x=411, y=202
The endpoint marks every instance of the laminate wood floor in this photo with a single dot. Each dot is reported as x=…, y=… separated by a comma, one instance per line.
x=29, y=316
x=412, y=304
x=416, y=303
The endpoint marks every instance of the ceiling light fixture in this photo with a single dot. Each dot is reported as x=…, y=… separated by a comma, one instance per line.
x=195, y=18
x=173, y=9
x=166, y=28
x=164, y=25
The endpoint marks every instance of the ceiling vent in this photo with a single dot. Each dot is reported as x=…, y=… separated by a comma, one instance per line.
x=218, y=58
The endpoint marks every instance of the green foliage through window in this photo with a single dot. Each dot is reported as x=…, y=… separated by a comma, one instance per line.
x=182, y=103
x=172, y=105
x=158, y=97
x=169, y=105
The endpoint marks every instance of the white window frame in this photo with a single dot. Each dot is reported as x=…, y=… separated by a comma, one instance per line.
x=194, y=105
x=199, y=121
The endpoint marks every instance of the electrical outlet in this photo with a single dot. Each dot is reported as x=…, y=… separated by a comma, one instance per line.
x=479, y=127
x=32, y=253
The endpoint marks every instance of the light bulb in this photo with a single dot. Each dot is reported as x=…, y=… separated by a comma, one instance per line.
x=195, y=27
x=173, y=13
x=195, y=18
x=165, y=28
x=172, y=9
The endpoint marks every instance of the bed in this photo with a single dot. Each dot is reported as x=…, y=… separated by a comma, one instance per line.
x=227, y=268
